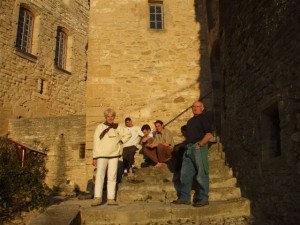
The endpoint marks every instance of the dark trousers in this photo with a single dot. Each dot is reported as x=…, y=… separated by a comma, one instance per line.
x=128, y=156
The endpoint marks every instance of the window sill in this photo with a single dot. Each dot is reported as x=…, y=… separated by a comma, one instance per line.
x=62, y=70
x=26, y=55
x=157, y=30
x=42, y=96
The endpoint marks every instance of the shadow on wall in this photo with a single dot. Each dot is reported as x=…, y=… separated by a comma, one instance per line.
x=204, y=79
x=61, y=160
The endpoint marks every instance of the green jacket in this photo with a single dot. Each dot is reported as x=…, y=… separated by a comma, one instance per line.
x=204, y=154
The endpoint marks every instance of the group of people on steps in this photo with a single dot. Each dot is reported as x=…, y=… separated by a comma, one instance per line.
x=158, y=148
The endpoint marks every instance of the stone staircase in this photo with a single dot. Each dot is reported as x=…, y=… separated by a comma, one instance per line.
x=146, y=196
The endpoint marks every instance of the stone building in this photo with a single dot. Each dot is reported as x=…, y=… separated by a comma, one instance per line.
x=255, y=68
x=149, y=59
x=146, y=60
x=43, y=78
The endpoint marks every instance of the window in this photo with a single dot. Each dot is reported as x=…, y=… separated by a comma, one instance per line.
x=82, y=151
x=156, y=15
x=270, y=132
x=40, y=87
x=25, y=30
x=61, y=49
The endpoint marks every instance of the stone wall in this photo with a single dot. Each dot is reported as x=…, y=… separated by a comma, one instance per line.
x=63, y=91
x=261, y=114
x=140, y=72
x=61, y=138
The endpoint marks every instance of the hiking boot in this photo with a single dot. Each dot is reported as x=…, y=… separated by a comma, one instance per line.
x=200, y=203
x=181, y=202
x=96, y=202
x=112, y=202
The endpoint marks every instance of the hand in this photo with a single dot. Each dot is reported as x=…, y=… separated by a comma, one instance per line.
x=94, y=162
x=152, y=145
x=198, y=146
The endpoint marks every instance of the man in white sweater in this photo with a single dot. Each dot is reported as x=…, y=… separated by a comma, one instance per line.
x=130, y=147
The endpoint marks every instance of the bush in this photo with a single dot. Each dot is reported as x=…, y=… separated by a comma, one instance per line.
x=22, y=188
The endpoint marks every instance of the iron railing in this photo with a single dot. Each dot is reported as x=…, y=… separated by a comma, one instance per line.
x=205, y=96
x=23, y=150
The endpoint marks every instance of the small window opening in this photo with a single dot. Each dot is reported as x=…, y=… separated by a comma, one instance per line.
x=41, y=86
x=82, y=151
x=271, y=132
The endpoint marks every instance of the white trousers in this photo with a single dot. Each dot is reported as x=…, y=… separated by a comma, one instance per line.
x=109, y=166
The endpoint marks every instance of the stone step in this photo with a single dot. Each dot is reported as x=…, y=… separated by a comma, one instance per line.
x=217, y=169
x=155, y=193
x=215, y=152
x=136, y=183
x=142, y=213
x=53, y=215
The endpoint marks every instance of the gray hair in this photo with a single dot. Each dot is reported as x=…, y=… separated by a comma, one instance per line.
x=109, y=112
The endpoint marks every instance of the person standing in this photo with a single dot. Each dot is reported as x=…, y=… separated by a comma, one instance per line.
x=108, y=138
x=160, y=151
x=130, y=147
x=195, y=158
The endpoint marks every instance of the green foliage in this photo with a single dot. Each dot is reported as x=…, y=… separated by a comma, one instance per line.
x=22, y=188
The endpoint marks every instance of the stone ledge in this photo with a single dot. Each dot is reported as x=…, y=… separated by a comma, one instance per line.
x=59, y=215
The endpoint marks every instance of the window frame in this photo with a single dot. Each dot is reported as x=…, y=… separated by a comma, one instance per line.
x=156, y=20
x=24, y=39
x=61, y=49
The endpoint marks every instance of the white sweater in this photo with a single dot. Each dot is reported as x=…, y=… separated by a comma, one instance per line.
x=109, y=145
x=136, y=135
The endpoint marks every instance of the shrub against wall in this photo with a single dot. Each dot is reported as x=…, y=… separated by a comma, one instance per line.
x=22, y=188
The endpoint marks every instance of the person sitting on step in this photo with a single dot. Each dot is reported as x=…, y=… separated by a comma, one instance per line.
x=160, y=151
x=146, y=139
x=130, y=147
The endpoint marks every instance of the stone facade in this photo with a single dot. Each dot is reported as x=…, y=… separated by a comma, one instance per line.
x=143, y=73
x=63, y=91
x=63, y=140
x=259, y=58
x=246, y=52
x=57, y=106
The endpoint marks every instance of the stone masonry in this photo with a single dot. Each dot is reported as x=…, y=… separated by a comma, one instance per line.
x=261, y=106
x=141, y=72
x=247, y=52
x=62, y=139
x=53, y=118
x=63, y=91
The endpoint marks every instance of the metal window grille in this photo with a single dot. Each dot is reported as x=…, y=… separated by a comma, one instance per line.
x=156, y=16
x=61, y=49
x=25, y=28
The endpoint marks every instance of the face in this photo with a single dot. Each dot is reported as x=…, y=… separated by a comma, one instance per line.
x=129, y=123
x=159, y=128
x=110, y=119
x=197, y=108
x=146, y=132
